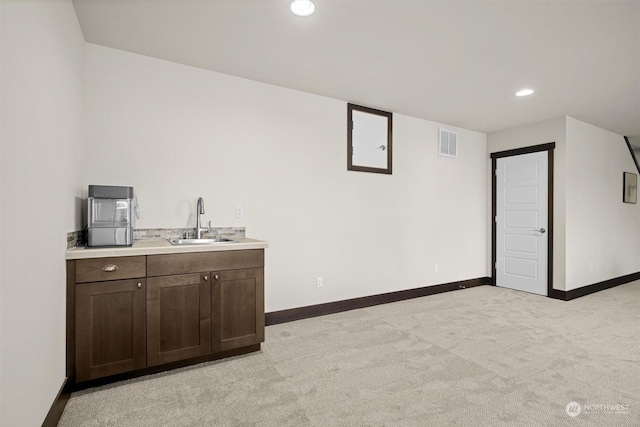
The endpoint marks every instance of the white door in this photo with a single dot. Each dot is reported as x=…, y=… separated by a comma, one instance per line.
x=521, y=229
x=369, y=140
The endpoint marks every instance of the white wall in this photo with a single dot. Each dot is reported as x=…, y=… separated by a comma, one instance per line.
x=602, y=232
x=176, y=132
x=42, y=69
x=528, y=135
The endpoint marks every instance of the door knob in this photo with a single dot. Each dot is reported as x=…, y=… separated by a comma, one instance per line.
x=542, y=230
x=139, y=285
x=206, y=278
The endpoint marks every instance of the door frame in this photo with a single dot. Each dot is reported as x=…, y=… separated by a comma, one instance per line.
x=549, y=148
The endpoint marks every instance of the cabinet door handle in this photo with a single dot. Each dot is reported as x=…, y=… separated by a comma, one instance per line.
x=206, y=278
x=215, y=277
x=139, y=285
x=110, y=268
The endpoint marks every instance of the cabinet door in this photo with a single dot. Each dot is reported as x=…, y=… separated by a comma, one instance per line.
x=238, y=308
x=178, y=318
x=110, y=328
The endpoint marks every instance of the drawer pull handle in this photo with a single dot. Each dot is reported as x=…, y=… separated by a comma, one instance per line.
x=110, y=268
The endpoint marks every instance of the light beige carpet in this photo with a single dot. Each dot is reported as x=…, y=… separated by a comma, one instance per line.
x=483, y=356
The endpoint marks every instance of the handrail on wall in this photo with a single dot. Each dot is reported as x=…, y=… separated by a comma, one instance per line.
x=635, y=160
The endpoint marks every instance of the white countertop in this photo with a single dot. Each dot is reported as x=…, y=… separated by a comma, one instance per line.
x=157, y=247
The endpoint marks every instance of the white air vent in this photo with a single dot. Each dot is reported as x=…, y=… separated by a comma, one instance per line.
x=448, y=145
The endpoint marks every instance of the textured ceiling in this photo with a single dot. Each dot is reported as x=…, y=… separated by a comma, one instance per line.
x=458, y=63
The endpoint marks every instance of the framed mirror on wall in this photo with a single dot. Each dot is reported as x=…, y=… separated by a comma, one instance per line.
x=369, y=144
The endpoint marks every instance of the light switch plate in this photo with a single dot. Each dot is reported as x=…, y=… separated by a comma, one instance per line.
x=239, y=212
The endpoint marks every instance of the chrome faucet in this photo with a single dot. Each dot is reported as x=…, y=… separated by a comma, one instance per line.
x=199, y=211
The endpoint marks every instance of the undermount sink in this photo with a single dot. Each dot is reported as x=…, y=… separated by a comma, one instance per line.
x=199, y=241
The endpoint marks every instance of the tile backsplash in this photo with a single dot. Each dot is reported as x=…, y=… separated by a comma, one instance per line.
x=142, y=234
x=76, y=238
x=79, y=238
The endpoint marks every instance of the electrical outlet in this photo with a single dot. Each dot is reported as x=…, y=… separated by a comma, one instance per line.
x=318, y=282
x=435, y=267
x=239, y=212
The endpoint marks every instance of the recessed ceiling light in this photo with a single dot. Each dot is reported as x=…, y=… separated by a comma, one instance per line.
x=524, y=92
x=302, y=7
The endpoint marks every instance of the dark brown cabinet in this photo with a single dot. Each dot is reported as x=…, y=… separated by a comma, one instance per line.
x=110, y=328
x=178, y=318
x=238, y=308
x=139, y=313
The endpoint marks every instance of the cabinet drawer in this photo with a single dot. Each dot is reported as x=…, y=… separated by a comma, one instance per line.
x=101, y=269
x=202, y=262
